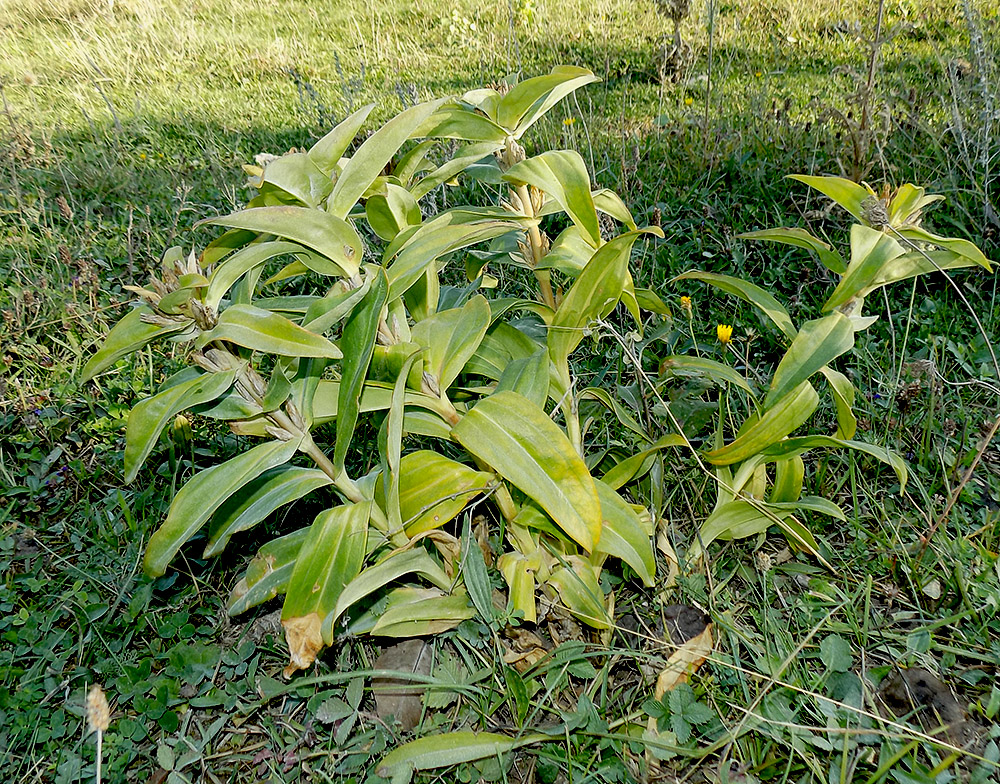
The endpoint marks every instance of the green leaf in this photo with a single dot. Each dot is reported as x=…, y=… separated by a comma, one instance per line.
x=529, y=100
x=800, y=238
x=788, y=476
x=242, y=261
x=374, y=578
x=592, y=296
x=563, y=176
x=331, y=557
x=451, y=748
x=817, y=344
x=328, y=151
x=748, y=292
x=620, y=412
x=329, y=235
x=268, y=572
x=367, y=163
x=717, y=371
x=258, y=499
x=298, y=176
x=130, y=334
x=499, y=347
x=579, y=588
x=843, y=399
x=517, y=439
x=912, y=265
x=148, y=418
x=639, y=463
x=871, y=250
x=326, y=311
x=835, y=653
x=736, y=520
x=528, y=376
x=390, y=212
x=357, y=342
x=797, y=446
x=907, y=204
x=455, y=120
x=463, y=158
x=261, y=330
x=416, y=612
x=451, y=337
x=475, y=576
x=846, y=193
x=607, y=201
x=390, y=444
x=623, y=535
x=204, y=493
x=786, y=415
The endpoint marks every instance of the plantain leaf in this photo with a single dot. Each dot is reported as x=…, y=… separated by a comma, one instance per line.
x=797, y=446
x=800, y=238
x=203, y=494
x=328, y=151
x=268, y=573
x=329, y=235
x=374, y=578
x=562, y=175
x=788, y=476
x=623, y=535
x=416, y=612
x=717, y=371
x=500, y=346
x=390, y=212
x=130, y=334
x=775, y=423
x=871, y=250
x=390, y=445
x=580, y=590
x=453, y=120
x=638, y=464
x=451, y=748
x=451, y=337
x=818, y=343
x=912, y=265
x=148, y=418
x=528, y=376
x=357, y=342
x=258, y=499
x=846, y=193
x=242, y=261
x=843, y=399
x=367, y=163
x=433, y=489
x=261, y=330
x=463, y=158
x=298, y=176
x=518, y=440
x=735, y=520
x=607, y=201
x=526, y=102
x=748, y=292
x=331, y=557
x=620, y=412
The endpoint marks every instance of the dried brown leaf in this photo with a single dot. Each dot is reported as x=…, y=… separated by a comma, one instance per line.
x=304, y=641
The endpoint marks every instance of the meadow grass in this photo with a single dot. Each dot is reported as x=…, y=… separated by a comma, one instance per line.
x=125, y=122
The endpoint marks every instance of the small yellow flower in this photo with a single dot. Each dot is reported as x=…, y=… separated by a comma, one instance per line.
x=569, y=121
x=688, y=101
x=758, y=74
x=142, y=156
x=725, y=333
x=686, y=306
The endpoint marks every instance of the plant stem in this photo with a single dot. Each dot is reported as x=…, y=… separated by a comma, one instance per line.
x=537, y=247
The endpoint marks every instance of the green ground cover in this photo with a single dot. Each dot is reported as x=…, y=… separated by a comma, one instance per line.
x=125, y=122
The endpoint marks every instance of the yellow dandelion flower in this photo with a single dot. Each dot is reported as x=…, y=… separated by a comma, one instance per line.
x=569, y=121
x=758, y=74
x=686, y=306
x=688, y=101
x=725, y=333
x=142, y=156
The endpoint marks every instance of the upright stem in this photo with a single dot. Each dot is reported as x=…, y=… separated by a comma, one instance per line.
x=537, y=247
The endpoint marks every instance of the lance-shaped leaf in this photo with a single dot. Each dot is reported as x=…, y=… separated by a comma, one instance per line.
x=817, y=344
x=748, y=292
x=261, y=330
x=357, y=342
x=846, y=193
x=740, y=519
x=593, y=296
x=417, y=612
x=328, y=151
x=204, y=493
x=800, y=238
x=330, y=558
x=367, y=163
x=149, y=417
x=462, y=160
x=607, y=201
x=298, y=176
x=258, y=499
x=390, y=212
x=788, y=476
x=638, y=464
x=562, y=175
x=914, y=264
x=268, y=573
x=620, y=412
x=451, y=748
x=433, y=489
x=775, y=423
x=623, y=535
x=718, y=372
x=456, y=120
x=797, y=446
x=843, y=399
x=328, y=235
x=528, y=376
x=871, y=250
x=520, y=442
x=396, y=565
x=528, y=101
x=390, y=447
x=519, y=573
x=908, y=203
x=451, y=337
x=130, y=334
x=238, y=264
x=499, y=347
x=580, y=591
